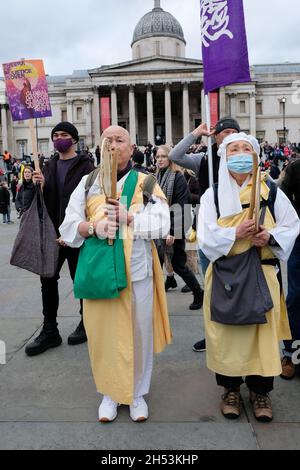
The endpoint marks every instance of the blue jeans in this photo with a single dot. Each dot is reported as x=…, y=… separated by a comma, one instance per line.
x=6, y=217
x=204, y=262
x=293, y=297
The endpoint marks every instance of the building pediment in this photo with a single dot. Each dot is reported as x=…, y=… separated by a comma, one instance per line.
x=149, y=64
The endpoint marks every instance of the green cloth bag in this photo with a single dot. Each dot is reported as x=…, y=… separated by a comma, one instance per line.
x=101, y=272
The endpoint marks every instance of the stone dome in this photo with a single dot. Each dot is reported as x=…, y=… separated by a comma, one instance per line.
x=158, y=23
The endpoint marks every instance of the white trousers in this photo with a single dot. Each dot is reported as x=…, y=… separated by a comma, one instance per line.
x=142, y=307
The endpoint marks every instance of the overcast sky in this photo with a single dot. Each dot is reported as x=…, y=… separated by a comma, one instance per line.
x=84, y=34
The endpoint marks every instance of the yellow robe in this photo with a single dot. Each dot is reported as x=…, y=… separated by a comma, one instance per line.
x=108, y=323
x=247, y=350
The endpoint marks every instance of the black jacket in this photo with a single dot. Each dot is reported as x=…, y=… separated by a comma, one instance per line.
x=4, y=200
x=56, y=205
x=291, y=184
x=140, y=169
x=181, y=196
x=25, y=196
x=203, y=175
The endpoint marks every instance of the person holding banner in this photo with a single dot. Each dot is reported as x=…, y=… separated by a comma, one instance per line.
x=198, y=163
x=60, y=177
x=123, y=330
x=240, y=346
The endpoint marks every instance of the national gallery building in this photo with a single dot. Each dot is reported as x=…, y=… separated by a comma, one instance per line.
x=158, y=95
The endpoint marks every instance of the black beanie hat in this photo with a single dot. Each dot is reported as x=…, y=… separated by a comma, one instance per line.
x=66, y=127
x=227, y=123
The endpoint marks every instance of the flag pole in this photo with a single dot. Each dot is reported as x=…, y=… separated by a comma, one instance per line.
x=209, y=141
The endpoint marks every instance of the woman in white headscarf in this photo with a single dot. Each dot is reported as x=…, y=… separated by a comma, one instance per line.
x=251, y=351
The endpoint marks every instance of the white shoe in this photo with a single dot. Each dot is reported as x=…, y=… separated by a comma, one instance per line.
x=107, y=410
x=139, y=410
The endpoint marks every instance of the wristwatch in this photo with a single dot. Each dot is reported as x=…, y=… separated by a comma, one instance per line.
x=272, y=241
x=91, y=230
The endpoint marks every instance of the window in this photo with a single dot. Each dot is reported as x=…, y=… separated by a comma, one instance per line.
x=259, y=109
x=242, y=107
x=178, y=50
x=79, y=114
x=157, y=48
x=260, y=135
x=138, y=51
x=43, y=147
x=22, y=148
x=64, y=115
x=281, y=138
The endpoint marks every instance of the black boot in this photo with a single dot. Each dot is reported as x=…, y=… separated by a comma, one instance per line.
x=170, y=283
x=78, y=336
x=48, y=338
x=198, y=300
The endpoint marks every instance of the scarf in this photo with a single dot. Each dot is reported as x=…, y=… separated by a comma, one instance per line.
x=166, y=180
x=228, y=189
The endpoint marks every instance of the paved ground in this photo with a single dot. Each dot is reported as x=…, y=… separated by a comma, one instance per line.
x=50, y=402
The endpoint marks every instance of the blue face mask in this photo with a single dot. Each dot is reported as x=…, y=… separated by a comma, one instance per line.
x=241, y=163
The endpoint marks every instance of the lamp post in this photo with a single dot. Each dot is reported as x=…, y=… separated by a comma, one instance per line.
x=283, y=101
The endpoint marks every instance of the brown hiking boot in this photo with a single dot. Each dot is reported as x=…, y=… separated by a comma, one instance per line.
x=231, y=403
x=288, y=368
x=262, y=407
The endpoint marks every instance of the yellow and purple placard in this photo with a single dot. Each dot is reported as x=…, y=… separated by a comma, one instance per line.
x=27, y=89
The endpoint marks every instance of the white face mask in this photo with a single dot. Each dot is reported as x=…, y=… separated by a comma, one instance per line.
x=240, y=163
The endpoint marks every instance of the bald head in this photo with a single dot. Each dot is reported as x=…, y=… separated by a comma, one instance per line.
x=115, y=130
x=119, y=139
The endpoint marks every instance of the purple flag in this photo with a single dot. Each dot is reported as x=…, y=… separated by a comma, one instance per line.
x=224, y=43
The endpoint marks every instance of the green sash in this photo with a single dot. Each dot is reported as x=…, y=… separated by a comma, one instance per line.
x=100, y=272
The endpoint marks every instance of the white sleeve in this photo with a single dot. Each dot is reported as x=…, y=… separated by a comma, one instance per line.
x=75, y=214
x=214, y=241
x=287, y=226
x=153, y=220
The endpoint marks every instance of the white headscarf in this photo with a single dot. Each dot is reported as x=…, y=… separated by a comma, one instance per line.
x=228, y=189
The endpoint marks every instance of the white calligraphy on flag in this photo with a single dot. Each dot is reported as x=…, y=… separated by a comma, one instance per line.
x=214, y=20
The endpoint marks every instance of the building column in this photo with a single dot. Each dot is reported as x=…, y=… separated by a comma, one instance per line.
x=132, y=117
x=70, y=110
x=233, y=110
x=186, y=109
x=96, y=116
x=168, y=115
x=4, y=128
x=114, y=106
x=150, y=116
x=88, y=120
x=222, y=102
x=253, y=114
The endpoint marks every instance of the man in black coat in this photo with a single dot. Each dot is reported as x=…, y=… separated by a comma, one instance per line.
x=291, y=353
x=61, y=175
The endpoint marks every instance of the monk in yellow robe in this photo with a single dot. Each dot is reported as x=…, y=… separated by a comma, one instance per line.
x=124, y=332
x=251, y=351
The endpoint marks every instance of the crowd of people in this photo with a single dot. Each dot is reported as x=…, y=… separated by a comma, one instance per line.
x=126, y=326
